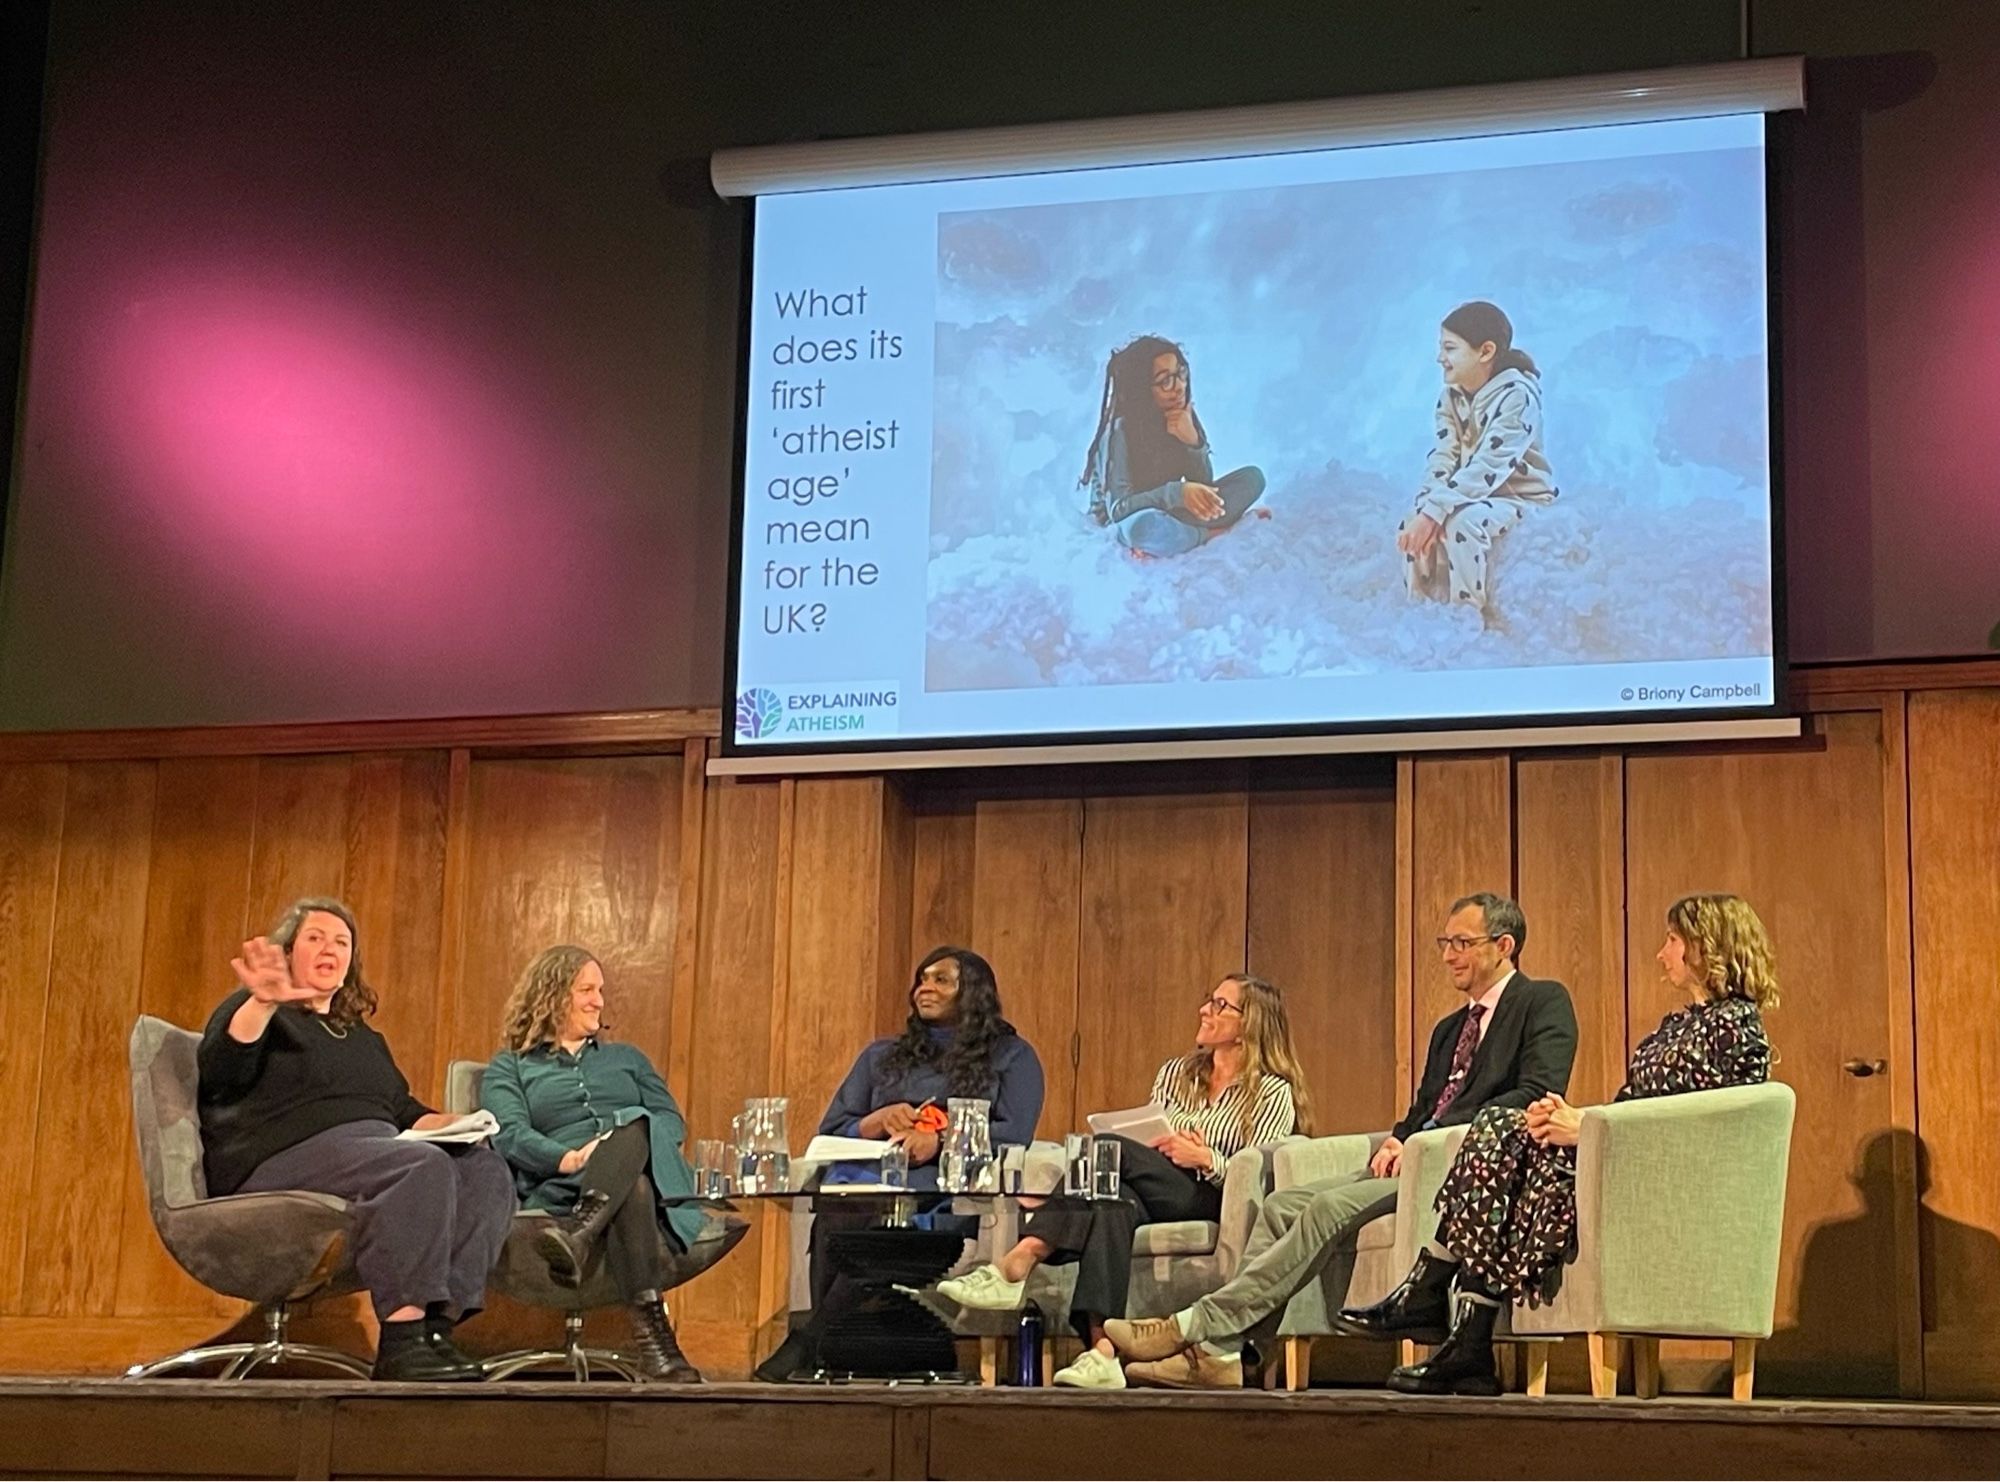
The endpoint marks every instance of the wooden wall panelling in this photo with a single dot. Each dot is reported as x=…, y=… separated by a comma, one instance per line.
x=1569, y=864
x=392, y=876
x=31, y=830
x=1027, y=864
x=942, y=826
x=1954, y=747
x=1461, y=842
x=1321, y=925
x=720, y=1314
x=582, y=850
x=1164, y=888
x=1800, y=833
x=841, y=960
x=196, y=920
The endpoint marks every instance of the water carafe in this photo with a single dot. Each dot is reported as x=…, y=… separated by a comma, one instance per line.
x=966, y=1164
x=764, y=1149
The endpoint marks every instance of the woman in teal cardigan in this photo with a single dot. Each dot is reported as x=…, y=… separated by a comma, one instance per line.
x=593, y=1133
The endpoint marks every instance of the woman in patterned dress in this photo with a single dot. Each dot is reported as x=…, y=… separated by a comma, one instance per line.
x=1240, y=1087
x=1507, y=1211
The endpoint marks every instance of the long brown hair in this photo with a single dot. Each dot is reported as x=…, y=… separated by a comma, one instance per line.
x=353, y=1000
x=1267, y=1050
x=538, y=1008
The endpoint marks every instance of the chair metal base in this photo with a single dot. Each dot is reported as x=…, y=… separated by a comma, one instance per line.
x=575, y=1355
x=239, y=1360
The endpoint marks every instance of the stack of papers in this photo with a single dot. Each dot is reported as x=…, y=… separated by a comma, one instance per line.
x=472, y=1127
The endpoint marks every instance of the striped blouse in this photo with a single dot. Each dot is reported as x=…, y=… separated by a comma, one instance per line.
x=1221, y=1120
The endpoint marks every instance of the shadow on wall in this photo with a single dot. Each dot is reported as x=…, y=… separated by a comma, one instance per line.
x=1831, y=1349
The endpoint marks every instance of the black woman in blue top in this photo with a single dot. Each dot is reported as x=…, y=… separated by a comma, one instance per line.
x=955, y=1043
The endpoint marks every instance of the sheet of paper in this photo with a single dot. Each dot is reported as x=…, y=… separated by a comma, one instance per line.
x=1143, y=1124
x=825, y=1149
x=472, y=1127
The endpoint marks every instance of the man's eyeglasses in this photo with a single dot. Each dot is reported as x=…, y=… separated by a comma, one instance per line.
x=1461, y=944
x=1167, y=380
x=1219, y=1006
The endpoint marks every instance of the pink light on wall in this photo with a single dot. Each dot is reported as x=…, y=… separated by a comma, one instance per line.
x=344, y=475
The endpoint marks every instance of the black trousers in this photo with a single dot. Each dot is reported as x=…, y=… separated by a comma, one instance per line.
x=617, y=1170
x=1096, y=1234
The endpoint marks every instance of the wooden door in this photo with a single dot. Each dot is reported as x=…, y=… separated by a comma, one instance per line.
x=1805, y=834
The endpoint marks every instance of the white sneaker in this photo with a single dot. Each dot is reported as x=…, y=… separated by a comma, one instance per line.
x=984, y=1289
x=1091, y=1371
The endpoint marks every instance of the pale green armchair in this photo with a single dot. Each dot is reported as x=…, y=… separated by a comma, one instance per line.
x=1680, y=1210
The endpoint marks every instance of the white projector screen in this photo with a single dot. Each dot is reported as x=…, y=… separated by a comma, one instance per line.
x=1430, y=434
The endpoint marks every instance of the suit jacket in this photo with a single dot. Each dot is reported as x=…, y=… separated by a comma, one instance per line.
x=1526, y=1053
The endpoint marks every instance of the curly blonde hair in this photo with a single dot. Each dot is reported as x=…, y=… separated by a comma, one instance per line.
x=1734, y=951
x=538, y=1008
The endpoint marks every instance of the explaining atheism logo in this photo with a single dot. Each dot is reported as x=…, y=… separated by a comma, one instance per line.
x=758, y=713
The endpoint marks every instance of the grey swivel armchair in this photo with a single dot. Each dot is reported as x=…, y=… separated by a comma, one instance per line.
x=523, y=1274
x=273, y=1249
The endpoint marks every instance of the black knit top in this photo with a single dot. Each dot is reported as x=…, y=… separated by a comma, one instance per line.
x=299, y=1079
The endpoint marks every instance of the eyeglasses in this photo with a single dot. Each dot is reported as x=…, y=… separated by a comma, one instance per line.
x=939, y=977
x=1214, y=1005
x=1461, y=944
x=1167, y=380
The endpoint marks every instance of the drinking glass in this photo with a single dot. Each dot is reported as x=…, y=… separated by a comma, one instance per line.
x=708, y=1167
x=1104, y=1169
x=1079, y=1152
x=896, y=1166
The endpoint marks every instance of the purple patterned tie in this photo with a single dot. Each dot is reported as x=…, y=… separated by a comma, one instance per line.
x=1461, y=1060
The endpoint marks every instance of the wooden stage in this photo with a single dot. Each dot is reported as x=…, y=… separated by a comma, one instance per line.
x=288, y=1428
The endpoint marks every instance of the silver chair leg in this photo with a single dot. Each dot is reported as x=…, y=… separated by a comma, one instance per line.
x=575, y=1355
x=239, y=1359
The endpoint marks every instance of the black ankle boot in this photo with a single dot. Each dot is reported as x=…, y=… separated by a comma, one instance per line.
x=1418, y=1309
x=1463, y=1365
x=660, y=1356
x=439, y=1326
x=566, y=1243
x=405, y=1353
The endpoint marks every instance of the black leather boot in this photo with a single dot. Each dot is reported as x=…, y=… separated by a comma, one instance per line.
x=405, y=1353
x=566, y=1243
x=438, y=1328
x=1418, y=1309
x=1463, y=1364
x=660, y=1356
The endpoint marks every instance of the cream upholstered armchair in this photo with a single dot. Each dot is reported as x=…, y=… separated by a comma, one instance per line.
x=1174, y=1263
x=1680, y=1216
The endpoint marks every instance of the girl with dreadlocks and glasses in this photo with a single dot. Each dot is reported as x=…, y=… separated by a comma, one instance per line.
x=1149, y=470
x=956, y=1042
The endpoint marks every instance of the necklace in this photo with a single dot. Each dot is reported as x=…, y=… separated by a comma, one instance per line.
x=336, y=1033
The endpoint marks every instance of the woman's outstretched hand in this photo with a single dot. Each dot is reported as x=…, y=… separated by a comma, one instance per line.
x=263, y=970
x=1201, y=500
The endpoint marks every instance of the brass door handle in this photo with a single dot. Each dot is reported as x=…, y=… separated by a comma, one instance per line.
x=1862, y=1069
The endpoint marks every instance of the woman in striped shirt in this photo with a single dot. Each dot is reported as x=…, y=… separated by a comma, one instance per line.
x=1240, y=1087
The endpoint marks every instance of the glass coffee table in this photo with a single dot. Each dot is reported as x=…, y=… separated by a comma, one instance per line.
x=873, y=1325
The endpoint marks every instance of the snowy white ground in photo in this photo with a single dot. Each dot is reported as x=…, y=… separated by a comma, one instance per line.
x=1318, y=589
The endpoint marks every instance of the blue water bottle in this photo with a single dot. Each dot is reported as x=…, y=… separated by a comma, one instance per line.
x=1028, y=1349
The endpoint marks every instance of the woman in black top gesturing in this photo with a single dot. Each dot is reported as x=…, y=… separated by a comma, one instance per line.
x=298, y=1092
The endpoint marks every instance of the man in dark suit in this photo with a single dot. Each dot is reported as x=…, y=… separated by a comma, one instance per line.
x=1512, y=1043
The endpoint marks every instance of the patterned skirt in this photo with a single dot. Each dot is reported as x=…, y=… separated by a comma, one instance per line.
x=1508, y=1207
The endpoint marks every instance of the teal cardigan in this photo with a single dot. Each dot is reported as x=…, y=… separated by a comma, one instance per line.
x=549, y=1102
